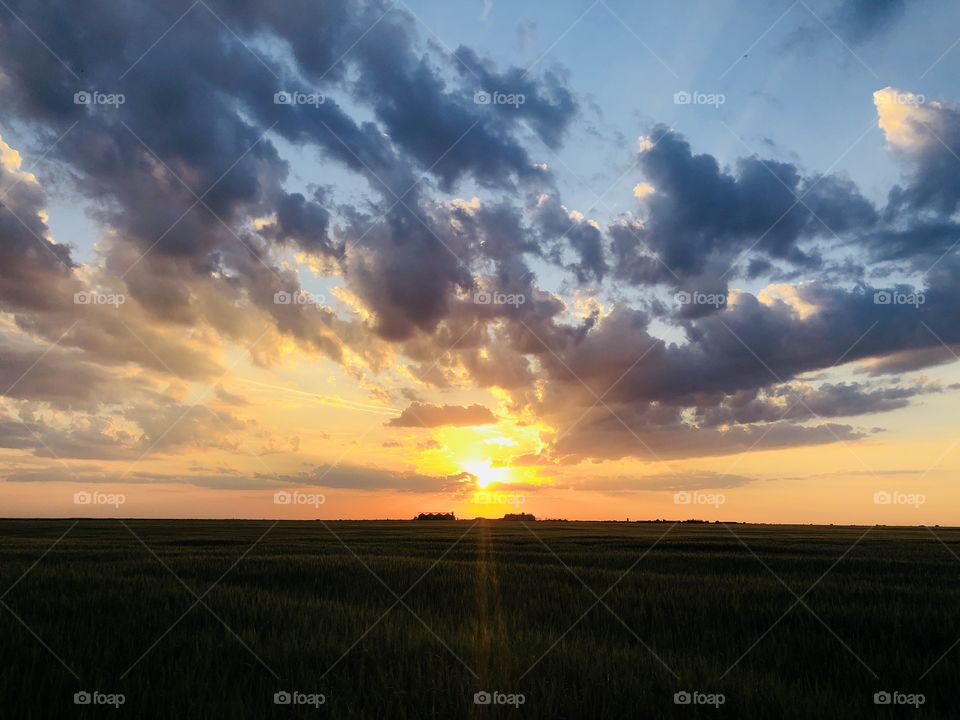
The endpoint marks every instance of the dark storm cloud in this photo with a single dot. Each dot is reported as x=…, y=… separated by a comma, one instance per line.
x=437, y=124
x=920, y=244
x=442, y=129
x=731, y=369
x=35, y=273
x=183, y=166
x=628, y=434
x=806, y=402
x=427, y=416
x=498, y=233
x=548, y=106
x=498, y=365
x=929, y=149
x=406, y=268
x=701, y=217
x=414, y=267
x=752, y=344
x=303, y=221
x=175, y=109
x=560, y=228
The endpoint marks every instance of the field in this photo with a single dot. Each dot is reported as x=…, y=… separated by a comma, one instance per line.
x=209, y=619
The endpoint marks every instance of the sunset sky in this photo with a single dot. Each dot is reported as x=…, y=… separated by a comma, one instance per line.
x=584, y=260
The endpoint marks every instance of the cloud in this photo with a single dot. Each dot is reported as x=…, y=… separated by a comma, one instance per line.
x=145, y=424
x=55, y=376
x=642, y=190
x=188, y=179
x=404, y=272
x=926, y=136
x=559, y=226
x=365, y=478
x=702, y=218
x=306, y=222
x=82, y=438
x=750, y=344
x=35, y=272
x=632, y=435
x=547, y=105
x=679, y=480
x=346, y=477
x=423, y=195
x=733, y=381
x=428, y=416
x=223, y=395
x=805, y=402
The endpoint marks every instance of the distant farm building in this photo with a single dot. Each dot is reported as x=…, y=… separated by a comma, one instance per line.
x=519, y=516
x=436, y=516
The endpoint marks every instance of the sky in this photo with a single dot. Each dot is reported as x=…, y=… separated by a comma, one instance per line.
x=591, y=260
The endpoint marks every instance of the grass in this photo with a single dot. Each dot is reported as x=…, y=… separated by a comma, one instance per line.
x=313, y=607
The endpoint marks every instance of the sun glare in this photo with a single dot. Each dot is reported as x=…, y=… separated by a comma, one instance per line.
x=486, y=474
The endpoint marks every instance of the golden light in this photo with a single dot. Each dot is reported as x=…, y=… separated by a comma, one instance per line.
x=485, y=453
x=486, y=474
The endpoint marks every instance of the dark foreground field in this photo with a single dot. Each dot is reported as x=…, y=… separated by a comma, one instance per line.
x=403, y=620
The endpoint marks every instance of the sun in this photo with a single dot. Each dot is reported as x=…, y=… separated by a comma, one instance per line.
x=485, y=473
